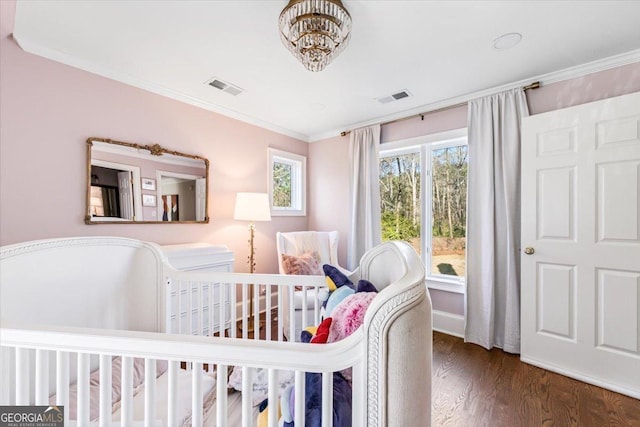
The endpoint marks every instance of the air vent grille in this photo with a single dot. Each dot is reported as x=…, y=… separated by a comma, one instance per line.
x=227, y=87
x=394, y=97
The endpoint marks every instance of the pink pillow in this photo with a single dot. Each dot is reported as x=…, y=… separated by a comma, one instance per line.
x=302, y=265
x=349, y=315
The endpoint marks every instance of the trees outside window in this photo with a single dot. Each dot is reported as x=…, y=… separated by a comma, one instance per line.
x=287, y=183
x=423, y=191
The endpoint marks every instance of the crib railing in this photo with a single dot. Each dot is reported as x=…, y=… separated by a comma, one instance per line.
x=30, y=349
x=202, y=311
x=198, y=305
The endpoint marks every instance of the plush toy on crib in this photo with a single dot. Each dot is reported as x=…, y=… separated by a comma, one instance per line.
x=344, y=308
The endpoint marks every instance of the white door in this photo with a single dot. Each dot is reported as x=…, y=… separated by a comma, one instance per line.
x=126, y=195
x=580, y=217
x=201, y=199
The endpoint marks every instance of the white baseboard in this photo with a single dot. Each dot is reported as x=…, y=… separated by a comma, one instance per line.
x=447, y=323
x=581, y=377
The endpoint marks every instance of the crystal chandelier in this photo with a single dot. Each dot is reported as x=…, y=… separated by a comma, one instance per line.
x=315, y=31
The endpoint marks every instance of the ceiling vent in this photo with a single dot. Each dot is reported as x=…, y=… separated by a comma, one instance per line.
x=225, y=86
x=395, y=97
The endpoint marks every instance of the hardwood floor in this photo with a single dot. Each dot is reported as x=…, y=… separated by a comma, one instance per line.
x=475, y=387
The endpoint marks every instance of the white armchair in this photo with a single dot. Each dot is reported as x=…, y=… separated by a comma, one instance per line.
x=325, y=244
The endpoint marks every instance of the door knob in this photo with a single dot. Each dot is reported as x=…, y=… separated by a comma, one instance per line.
x=529, y=250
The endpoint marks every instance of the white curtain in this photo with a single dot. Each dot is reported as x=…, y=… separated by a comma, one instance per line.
x=365, y=193
x=493, y=224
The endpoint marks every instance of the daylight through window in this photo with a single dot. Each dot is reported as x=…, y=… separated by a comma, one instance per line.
x=287, y=183
x=423, y=192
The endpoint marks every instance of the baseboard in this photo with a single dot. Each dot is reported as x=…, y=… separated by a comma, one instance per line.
x=448, y=323
x=581, y=377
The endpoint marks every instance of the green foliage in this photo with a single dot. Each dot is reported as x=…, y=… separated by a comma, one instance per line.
x=281, y=184
x=400, y=177
x=398, y=227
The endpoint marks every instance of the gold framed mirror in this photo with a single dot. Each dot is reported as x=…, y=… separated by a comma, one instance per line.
x=130, y=183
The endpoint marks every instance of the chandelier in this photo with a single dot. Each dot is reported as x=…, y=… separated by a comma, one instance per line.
x=315, y=31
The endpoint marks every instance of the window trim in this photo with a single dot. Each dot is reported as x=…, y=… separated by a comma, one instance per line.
x=298, y=182
x=425, y=145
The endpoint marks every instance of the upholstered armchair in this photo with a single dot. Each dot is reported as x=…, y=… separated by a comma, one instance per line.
x=305, y=252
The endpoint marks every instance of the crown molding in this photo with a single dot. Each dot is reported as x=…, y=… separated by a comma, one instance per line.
x=122, y=77
x=545, y=79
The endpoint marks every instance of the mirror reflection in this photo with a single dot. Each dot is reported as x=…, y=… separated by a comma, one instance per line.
x=135, y=183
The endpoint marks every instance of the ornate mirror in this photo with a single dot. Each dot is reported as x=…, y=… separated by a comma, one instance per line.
x=132, y=183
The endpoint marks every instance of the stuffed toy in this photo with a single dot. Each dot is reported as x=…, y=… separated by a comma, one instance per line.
x=335, y=278
x=345, y=309
x=335, y=298
x=322, y=333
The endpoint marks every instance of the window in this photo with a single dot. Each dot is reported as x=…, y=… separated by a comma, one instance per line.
x=287, y=183
x=423, y=192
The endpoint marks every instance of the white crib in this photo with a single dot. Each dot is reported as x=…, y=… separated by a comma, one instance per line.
x=70, y=306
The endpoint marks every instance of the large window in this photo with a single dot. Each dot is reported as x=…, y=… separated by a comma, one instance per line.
x=423, y=189
x=287, y=183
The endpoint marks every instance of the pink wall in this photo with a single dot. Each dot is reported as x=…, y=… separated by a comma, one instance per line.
x=329, y=190
x=48, y=110
x=328, y=198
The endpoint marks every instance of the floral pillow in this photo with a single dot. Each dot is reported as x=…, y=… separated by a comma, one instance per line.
x=302, y=265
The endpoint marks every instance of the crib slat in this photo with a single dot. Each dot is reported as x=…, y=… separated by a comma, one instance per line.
x=233, y=304
x=201, y=310
x=221, y=396
x=7, y=365
x=292, y=315
x=256, y=312
x=42, y=377
x=245, y=320
x=168, y=288
x=179, y=311
x=62, y=381
x=172, y=401
x=150, y=393
x=327, y=399
x=280, y=315
x=304, y=309
x=222, y=324
x=274, y=402
x=126, y=408
x=300, y=400
x=316, y=306
x=22, y=376
x=212, y=318
x=196, y=395
x=83, y=388
x=222, y=310
x=247, y=391
x=105, y=391
x=267, y=322
x=189, y=311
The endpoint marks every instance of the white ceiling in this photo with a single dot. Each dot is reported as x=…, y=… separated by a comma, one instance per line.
x=439, y=51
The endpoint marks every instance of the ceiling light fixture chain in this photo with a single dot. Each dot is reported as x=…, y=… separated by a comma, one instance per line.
x=315, y=31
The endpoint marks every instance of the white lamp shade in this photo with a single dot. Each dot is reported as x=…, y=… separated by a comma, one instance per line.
x=252, y=207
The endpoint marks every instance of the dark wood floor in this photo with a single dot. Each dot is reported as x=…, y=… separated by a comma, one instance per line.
x=475, y=387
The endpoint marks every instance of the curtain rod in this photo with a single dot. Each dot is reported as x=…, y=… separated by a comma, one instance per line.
x=534, y=85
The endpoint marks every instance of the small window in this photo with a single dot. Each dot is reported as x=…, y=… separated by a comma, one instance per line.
x=287, y=183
